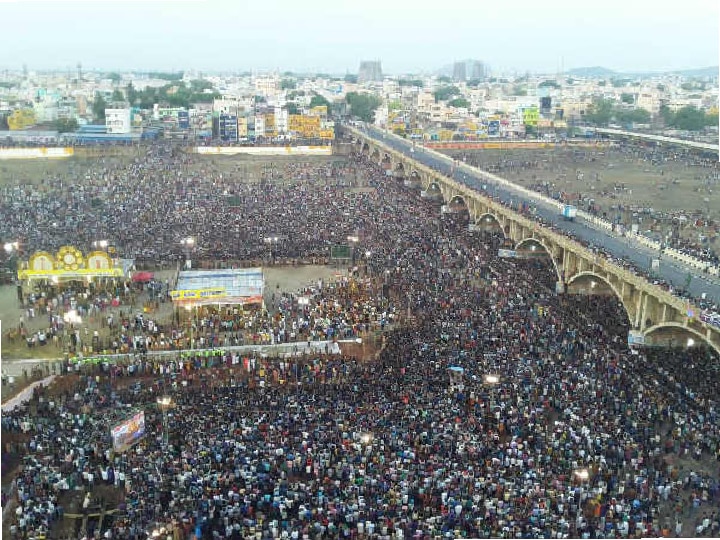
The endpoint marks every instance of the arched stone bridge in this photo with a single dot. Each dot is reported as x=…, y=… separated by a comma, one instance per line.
x=655, y=316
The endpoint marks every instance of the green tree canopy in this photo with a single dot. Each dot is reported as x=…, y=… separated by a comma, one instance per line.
x=634, y=116
x=362, y=105
x=98, y=107
x=114, y=77
x=628, y=98
x=65, y=125
x=459, y=102
x=711, y=119
x=317, y=100
x=410, y=82
x=689, y=118
x=444, y=79
x=519, y=90
x=548, y=83
x=117, y=95
x=350, y=78
x=288, y=84
x=200, y=85
x=446, y=92
x=292, y=108
x=167, y=76
x=601, y=111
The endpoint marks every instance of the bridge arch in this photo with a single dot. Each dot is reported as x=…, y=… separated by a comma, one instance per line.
x=489, y=221
x=530, y=240
x=681, y=328
x=612, y=287
x=365, y=148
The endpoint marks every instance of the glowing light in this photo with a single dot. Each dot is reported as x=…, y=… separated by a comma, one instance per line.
x=71, y=317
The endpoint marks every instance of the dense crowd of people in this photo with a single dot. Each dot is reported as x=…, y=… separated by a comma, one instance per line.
x=496, y=408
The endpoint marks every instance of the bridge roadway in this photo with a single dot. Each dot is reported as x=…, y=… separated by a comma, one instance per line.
x=672, y=271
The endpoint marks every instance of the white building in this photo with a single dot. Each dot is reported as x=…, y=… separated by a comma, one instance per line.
x=118, y=120
x=281, y=120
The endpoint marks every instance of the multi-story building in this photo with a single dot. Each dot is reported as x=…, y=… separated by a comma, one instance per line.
x=370, y=71
x=459, y=72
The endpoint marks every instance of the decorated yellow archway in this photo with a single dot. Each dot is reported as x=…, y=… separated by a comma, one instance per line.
x=69, y=264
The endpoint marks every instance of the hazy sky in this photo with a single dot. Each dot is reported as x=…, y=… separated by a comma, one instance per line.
x=334, y=35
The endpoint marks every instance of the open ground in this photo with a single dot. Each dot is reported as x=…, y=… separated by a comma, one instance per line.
x=609, y=179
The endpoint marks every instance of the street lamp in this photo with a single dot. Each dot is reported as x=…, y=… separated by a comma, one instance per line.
x=353, y=239
x=188, y=243
x=11, y=246
x=492, y=381
x=581, y=474
x=164, y=403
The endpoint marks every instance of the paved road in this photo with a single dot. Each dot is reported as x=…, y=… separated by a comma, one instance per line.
x=671, y=271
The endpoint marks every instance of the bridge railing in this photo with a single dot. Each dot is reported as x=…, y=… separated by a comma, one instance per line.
x=639, y=282
x=590, y=219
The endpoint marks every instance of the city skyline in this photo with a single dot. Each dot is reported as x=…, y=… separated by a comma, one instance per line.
x=321, y=36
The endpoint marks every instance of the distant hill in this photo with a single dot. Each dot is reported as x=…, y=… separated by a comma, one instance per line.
x=599, y=72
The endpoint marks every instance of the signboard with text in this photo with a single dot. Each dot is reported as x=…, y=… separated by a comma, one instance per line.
x=128, y=432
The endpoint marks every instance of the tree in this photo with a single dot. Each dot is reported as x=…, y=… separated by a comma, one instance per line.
x=167, y=76
x=395, y=105
x=689, y=119
x=625, y=97
x=446, y=92
x=292, y=108
x=444, y=79
x=711, y=118
x=363, y=105
x=114, y=77
x=411, y=82
x=600, y=113
x=633, y=116
x=518, y=90
x=98, y=107
x=131, y=93
x=288, y=84
x=460, y=102
x=548, y=83
x=65, y=125
x=117, y=95
x=200, y=85
x=350, y=78
x=686, y=86
x=667, y=115
x=318, y=101
x=474, y=83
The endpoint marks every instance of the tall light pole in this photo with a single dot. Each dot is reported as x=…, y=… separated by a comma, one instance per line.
x=164, y=403
x=188, y=244
x=354, y=239
x=492, y=381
